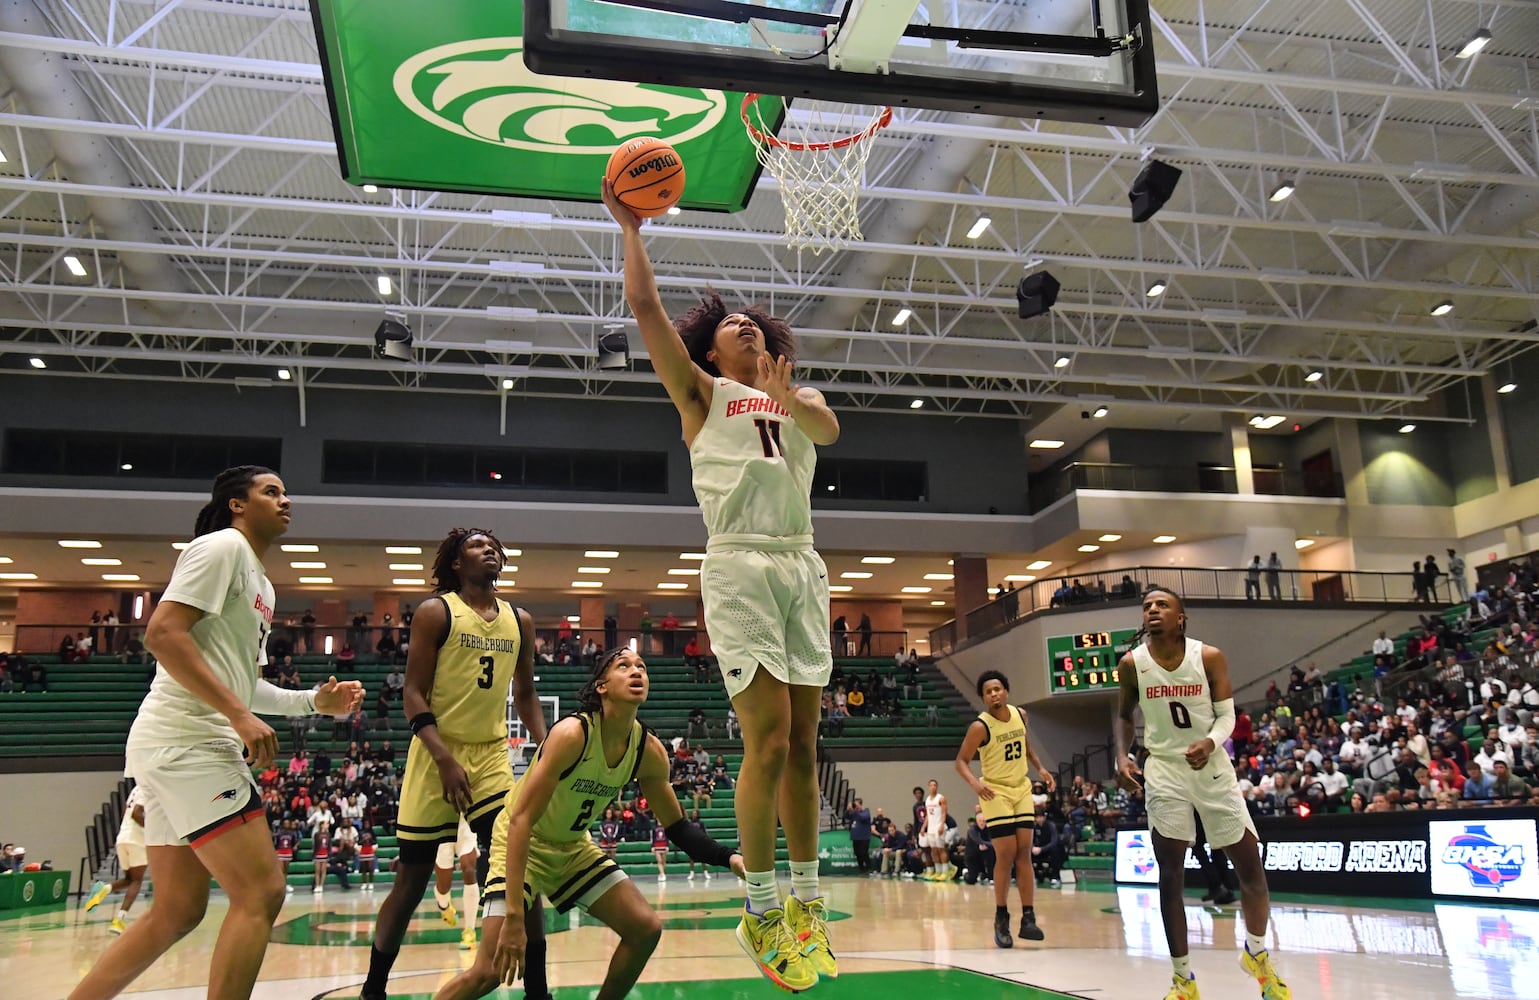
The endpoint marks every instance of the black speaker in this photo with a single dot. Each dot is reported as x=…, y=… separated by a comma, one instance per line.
x=393, y=340
x=1036, y=294
x=1153, y=186
x=614, y=350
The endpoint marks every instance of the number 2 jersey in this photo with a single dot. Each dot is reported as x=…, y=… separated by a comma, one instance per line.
x=475, y=665
x=1003, y=751
x=1177, y=704
x=586, y=787
x=220, y=575
x=752, y=466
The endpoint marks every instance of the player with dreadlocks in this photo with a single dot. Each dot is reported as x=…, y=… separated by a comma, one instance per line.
x=1187, y=699
x=466, y=647
x=543, y=846
x=202, y=814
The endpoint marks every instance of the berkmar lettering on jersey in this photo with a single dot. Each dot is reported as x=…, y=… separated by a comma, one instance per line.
x=263, y=609
x=586, y=786
x=756, y=405
x=470, y=641
x=1154, y=691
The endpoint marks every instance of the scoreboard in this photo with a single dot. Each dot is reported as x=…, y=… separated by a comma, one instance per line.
x=1087, y=661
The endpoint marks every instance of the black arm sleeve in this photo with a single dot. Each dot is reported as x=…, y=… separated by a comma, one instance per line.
x=698, y=845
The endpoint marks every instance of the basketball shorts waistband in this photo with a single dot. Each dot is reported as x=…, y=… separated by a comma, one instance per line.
x=760, y=543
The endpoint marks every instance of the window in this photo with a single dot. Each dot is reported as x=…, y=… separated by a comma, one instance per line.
x=870, y=479
x=368, y=462
x=125, y=454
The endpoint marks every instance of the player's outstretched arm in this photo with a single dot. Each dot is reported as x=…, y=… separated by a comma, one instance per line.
x=687, y=385
x=976, y=734
x=653, y=778
x=1127, y=684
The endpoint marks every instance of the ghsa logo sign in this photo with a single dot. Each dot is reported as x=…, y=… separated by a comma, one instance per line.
x=1490, y=864
x=1143, y=860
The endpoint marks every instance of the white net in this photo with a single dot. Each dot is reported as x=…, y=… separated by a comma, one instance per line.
x=819, y=159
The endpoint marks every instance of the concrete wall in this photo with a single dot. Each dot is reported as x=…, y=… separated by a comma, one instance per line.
x=58, y=808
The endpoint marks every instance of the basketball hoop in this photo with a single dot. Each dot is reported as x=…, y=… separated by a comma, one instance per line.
x=819, y=167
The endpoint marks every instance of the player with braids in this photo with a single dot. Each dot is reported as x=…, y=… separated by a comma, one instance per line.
x=202, y=815
x=542, y=844
x=752, y=435
x=1183, y=687
x=467, y=646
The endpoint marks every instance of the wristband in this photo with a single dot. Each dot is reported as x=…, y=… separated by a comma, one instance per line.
x=421, y=721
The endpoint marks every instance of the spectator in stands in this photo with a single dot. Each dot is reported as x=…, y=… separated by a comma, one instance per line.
x=1047, y=852
x=836, y=717
x=864, y=649
x=1479, y=786
x=1383, y=645
x=670, y=628
x=346, y=658
x=1506, y=787
x=695, y=661
x=1062, y=595
x=734, y=731
x=856, y=701
x=1274, y=577
x=609, y=832
x=977, y=852
x=839, y=635
x=1431, y=572
x=720, y=779
x=894, y=845
x=1253, y=578
x=384, y=649
x=858, y=818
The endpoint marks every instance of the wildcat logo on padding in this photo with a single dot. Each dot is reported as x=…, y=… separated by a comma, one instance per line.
x=480, y=89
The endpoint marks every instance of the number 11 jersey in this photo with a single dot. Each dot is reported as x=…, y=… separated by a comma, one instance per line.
x=752, y=466
x=475, y=665
x=1177, y=704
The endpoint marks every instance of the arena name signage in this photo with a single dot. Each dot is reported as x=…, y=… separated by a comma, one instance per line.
x=1472, y=854
x=445, y=103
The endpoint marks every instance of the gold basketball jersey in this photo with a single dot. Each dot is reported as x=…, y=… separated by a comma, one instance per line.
x=584, y=789
x=475, y=666
x=1003, y=752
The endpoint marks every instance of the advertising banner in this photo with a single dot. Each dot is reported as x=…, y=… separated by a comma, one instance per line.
x=1466, y=853
x=836, y=855
x=445, y=103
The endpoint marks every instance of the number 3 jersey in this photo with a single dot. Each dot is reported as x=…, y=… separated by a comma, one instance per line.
x=752, y=466
x=1003, y=752
x=586, y=787
x=1177, y=704
x=475, y=665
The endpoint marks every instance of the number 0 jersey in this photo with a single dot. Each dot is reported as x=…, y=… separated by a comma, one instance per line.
x=1003, y=753
x=752, y=466
x=586, y=787
x=475, y=665
x=1177, y=704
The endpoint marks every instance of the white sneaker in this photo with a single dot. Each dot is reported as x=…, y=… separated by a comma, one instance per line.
x=288, y=890
x=707, y=876
x=662, y=876
x=316, y=891
x=691, y=877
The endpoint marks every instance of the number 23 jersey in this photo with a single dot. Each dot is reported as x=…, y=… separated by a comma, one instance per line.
x=475, y=666
x=752, y=466
x=1003, y=752
x=1177, y=704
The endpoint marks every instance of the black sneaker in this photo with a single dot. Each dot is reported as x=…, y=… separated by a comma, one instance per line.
x=1207, y=897
x=1225, y=896
x=1002, y=936
x=1029, y=929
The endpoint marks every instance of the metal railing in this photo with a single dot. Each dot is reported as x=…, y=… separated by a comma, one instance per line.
x=1124, y=585
x=1052, y=486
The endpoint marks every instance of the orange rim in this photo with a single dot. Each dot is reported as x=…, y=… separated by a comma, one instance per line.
x=882, y=121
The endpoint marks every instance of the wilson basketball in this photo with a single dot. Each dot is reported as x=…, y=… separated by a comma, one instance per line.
x=647, y=175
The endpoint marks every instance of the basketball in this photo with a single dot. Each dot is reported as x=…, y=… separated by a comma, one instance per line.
x=647, y=175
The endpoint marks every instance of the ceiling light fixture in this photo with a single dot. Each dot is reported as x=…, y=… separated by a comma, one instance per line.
x=1407, y=428
x=512, y=553
x=37, y=362
x=300, y=548
x=1507, y=387
x=314, y=565
x=507, y=384
x=1099, y=412
x=410, y=581
x=917, y=404
x=672, y=586
x=1156, y=290
x=937, y=604
x=674, y=210
x=1019, y=578
x=917, y=590
x=853, y=575
x=694, y=556
x=601, y=554
x=121, y=577
x=1062, y=362
x=877, y=560
x=1040, y=564
x=315, y=579
x=75, y=267
x=18, y=576
x=409, y=567
x=902, y=316
x=1478, y=41
x=1443, y=308
x=1164, y=539
x=1314, y=376
x=1111, y=538
x=127, y=467
x=587, y=583
x=98, y=562
x=837, y=588
x=78, y=543
x=179, y=546
x=1303, y=543
x=1090, y=548
x=383, y=284
x=403, y=550
x=939, y=576
x=1282, y=192
x=371, y=189
x=596, y=570
x=1046, y=444
x=284, y=375
x=979, y=227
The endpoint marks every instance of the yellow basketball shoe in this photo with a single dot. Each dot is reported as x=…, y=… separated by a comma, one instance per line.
x=99, y=892
x=1182, y=988
x=811, y=928
x=1259, y=968
x=117, y=926
x=468, y=939
x=447, y=913
x=775, y=950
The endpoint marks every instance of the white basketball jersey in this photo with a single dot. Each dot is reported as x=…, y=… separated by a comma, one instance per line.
x=752, y=466
x=1177, y=704
x=932, y=811
x=131, y=832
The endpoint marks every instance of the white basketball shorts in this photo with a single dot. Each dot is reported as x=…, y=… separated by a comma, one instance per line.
x=768, y=609
x=1175, y=793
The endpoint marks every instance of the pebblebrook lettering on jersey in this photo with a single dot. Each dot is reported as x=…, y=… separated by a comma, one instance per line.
x=489, y=643
x=586, y=786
